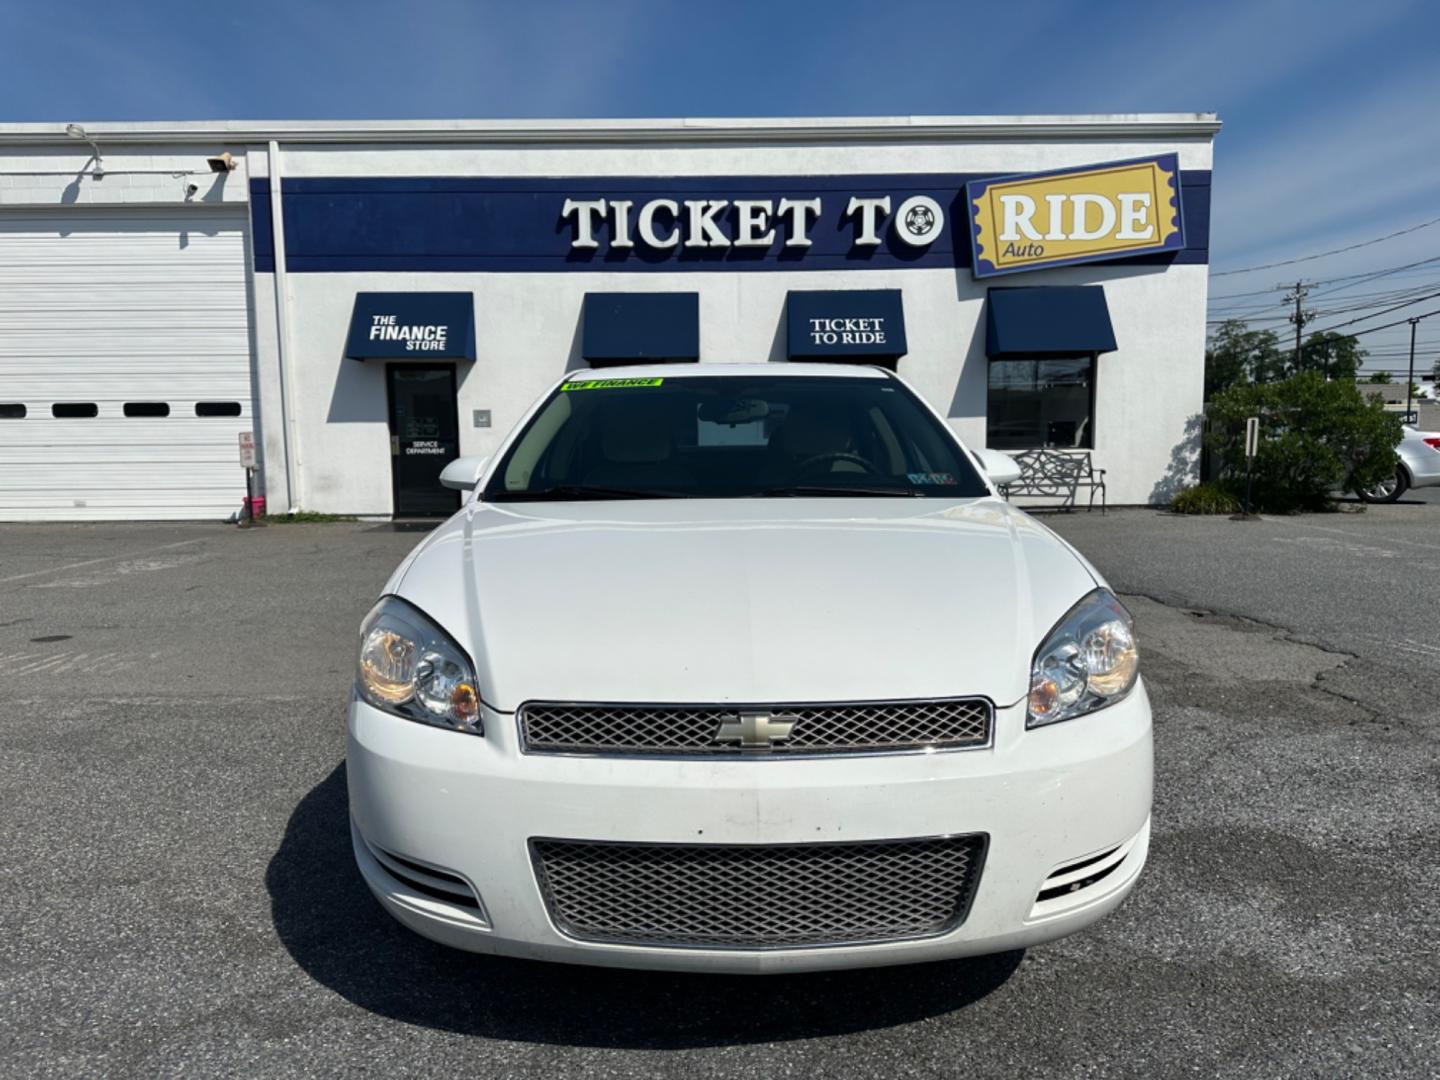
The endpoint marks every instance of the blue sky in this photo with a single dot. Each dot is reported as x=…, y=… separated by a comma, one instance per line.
x=1332, y=109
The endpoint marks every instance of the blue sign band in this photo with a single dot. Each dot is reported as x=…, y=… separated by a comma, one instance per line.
x=506, y=225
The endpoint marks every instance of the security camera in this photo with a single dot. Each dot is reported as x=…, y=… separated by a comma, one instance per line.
x=221, y=163
x=191, y=189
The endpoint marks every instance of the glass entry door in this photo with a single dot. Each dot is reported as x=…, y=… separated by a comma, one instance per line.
x=424, y=437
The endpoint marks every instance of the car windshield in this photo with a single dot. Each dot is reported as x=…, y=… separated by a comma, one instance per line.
x=732, y=436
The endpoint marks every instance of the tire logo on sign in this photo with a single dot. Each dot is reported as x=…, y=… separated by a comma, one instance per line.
x=919, y=220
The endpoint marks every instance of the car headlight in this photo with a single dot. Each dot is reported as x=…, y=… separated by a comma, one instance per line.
x=1089, y=660
x=410, y=667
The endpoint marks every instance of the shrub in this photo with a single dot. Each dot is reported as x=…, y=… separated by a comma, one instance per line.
x=1316, y=438
x=303, y=517
x=1205, y=499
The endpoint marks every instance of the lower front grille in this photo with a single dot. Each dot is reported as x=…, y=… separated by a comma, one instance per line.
x=758, y=896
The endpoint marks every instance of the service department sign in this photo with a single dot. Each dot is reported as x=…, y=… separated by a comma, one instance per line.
x=1072, y=216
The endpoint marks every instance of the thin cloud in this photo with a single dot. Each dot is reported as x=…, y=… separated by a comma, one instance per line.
x=1226, y=55
x=1371, y=161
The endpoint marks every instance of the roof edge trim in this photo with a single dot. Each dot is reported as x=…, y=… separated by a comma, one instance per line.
x=611, y=132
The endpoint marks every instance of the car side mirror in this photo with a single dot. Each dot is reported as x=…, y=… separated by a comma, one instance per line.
x=1001, y=468
x=464, y=473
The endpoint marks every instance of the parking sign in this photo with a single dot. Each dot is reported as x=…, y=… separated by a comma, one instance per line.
x=247, y=449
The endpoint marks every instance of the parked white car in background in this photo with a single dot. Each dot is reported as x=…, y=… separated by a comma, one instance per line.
x=1419, y=466
x=745, y=669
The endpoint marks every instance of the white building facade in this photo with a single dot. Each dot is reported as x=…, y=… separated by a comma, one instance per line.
x=369, y=299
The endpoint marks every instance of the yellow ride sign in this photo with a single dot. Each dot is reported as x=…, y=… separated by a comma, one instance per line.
x=1075, y=215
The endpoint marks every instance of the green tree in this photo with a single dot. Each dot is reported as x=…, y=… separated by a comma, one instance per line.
x=1333, y=355
x=1379, y=377
x=1316, y=437
x=1237, y=354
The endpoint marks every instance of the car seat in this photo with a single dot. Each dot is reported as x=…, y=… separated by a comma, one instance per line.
x=636, y=450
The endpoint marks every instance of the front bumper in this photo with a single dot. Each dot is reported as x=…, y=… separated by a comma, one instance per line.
x=467, y=808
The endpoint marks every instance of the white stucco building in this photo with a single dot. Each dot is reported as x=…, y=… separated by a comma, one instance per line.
x=426, y=280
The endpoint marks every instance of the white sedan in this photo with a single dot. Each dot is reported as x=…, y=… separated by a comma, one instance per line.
x=745, y=669
x=1418, y=466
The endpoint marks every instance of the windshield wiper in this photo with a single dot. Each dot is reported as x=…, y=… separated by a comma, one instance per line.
x=825, y=490
x=578, y=492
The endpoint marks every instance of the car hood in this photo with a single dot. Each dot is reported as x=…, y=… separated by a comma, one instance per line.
x=746, y=600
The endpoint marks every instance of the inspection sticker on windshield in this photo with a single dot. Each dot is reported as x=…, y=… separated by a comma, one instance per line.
x=930, y=477
x=606, y=384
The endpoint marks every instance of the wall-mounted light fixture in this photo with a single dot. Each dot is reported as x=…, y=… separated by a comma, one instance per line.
x=75, y=131
x=221, y=162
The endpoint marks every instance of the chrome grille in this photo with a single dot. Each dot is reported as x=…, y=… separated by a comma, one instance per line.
x=758, y=896
x=861, y=727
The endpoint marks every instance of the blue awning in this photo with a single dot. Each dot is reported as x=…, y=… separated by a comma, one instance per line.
x=412, y=326
x=864, y=325
x=1054, y=319
x=623, y=328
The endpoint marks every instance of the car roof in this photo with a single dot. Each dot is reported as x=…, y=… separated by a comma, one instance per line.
x=683, y=370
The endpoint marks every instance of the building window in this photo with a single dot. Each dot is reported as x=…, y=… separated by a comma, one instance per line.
x=217, y=408
x=11, y=410
x=1037, y=401
x=146, y=408
x=74, y=410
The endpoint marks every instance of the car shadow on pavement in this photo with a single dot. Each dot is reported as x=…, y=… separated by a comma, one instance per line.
x=340, y=936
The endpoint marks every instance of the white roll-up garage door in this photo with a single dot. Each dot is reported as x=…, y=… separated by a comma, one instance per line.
x=124, y=363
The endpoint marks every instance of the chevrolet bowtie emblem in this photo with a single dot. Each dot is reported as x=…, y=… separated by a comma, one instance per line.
x=755, y=728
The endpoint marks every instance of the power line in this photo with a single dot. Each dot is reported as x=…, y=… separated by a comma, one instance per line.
x=1355, y=278
x=1412, y=319
x=1359, y=299
x=1380, y=296
x=1335, y=251
x=1384, y=326
x=1360, y=279
x=1405, y=298
x=1382, y=311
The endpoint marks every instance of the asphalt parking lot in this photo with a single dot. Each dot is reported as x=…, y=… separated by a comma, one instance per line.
x=179, y=896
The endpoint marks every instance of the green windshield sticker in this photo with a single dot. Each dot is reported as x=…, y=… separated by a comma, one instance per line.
x=608, y=384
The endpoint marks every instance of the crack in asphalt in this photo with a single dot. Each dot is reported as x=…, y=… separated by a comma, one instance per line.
x=1248, y=624
x=1245, y=621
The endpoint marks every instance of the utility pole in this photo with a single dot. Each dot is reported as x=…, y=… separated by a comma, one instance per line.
x=1410, y=382
x=1300, y=316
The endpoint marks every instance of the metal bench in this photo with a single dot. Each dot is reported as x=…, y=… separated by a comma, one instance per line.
x=1057, y=474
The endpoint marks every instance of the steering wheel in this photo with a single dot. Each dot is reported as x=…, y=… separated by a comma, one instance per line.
x=831, y=456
